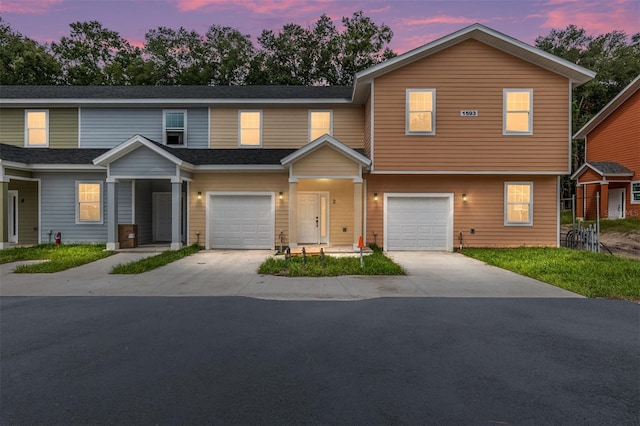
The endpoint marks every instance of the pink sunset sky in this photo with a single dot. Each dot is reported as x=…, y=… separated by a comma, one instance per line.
x=413, y=22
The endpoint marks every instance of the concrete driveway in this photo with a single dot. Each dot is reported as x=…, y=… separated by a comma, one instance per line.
x=233, y=273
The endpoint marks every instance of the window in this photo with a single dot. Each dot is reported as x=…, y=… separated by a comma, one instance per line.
x=518, y=203
x=635, y=192
x=36, y=131
x=320, y=123
x=175, y=127
x=420, y=111
x=518, y=112
x=89, y=196
x=250, y=128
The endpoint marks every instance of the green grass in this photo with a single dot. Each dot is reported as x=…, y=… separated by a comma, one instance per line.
x=153, y=262
x=374, y=264
x=624, y=226
x=566, y=217
x=582, y=272
x=58, y=258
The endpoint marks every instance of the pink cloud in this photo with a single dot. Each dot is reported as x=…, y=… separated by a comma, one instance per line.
x=443, y=19
x=27, y=6
x=380, y=10
x=257, y=7
x=594, y=16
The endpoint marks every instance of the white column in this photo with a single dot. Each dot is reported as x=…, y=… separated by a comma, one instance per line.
x=357, y=213
x=112, y=215
x=293, y=217
x=176, y=217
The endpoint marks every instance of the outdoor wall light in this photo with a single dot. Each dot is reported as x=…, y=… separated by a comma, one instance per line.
x=464, y=198
x=280, y=195
x=375, y=196
x=199, y=195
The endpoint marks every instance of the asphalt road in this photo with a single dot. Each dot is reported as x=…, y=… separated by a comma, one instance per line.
x=165, y=361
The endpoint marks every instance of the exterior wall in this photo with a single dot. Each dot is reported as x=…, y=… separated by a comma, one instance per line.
x=18, y=173
x=142, y=162
x=125, y=202
x=108, y=127
x=63, y=127
x=58, y=198
x=483, y=210
x=367, y=127
x=286, y=127
x=590, y=175
x=617, y=138
x=325, y=161
x=143, y=214
x=472, y=76
x=203, y=182
x=27, y=210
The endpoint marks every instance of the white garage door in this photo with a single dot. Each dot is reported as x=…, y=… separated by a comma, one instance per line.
x=418, y=223
x=241, y=222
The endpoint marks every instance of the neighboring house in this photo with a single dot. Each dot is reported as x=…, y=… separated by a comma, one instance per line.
x=465, y=137
x=612, y=159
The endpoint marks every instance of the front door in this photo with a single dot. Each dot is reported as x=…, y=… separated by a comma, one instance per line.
x=13, y=217
x=308, y=218
x=162, y=216
x=616, y=204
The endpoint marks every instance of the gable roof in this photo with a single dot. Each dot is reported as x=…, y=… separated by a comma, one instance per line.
x=577, y=74
x=31, y=156
x=604, y=168
x=326, y=140
x=609, y=108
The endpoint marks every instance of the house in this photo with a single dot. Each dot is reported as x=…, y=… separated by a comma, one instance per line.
x=612, y=159
x=460, y=141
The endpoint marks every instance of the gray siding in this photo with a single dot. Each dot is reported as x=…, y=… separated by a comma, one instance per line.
x=59, y=208
x=124, y=202
x=143, y=211
x=108, y=127
x=142, y=162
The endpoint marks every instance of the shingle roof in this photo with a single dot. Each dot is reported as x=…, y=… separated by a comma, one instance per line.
x=609, y=167
x=48, y=156
x=175, y=92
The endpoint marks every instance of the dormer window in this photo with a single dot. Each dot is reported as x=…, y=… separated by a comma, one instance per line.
x=175, y=127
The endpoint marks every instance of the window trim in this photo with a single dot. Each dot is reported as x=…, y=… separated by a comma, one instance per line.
x=631, y=192
x=504, y=112
x=164, y=127
x=506, y=204
x=407, y=112
x=77, y=201
x=240, y=144
x=309, y=128
x=26, y=128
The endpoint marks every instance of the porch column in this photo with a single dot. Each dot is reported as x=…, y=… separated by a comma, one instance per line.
x=176, y=219
x=579, y=202
x=4, y=214
x=293, y=216
x=112, y=215
x=357, y=212
x=604, y=200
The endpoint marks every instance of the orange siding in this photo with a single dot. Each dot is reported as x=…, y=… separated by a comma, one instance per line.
x=472, y=76
x=325, y=161
x=590, y=175
x=483, y=210
x=367, y=127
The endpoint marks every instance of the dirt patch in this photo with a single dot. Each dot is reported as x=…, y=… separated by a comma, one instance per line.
x=620, y=244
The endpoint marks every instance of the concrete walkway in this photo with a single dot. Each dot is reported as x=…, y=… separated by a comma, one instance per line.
x=233, y=273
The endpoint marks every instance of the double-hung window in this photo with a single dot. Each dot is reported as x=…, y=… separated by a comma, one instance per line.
x=250, y=128
x=88, y=202
x=320, y=123
x=518, y=112
x=36, y=132
x=635, y=192
x=420, y=112
x=175, y=127
x=518, y=203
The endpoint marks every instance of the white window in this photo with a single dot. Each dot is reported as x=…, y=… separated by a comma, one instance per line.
x=250, y=126
x=420, y=112
x=518, y=203
x=635, y=192
x=36, y=128
x=320, y=123
x=518, y=112
x=175, y=127
x=89, y=202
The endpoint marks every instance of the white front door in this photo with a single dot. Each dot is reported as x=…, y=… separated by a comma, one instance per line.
x=13, y=217
x=308, y=218
x=162, y=216
x=615, y=209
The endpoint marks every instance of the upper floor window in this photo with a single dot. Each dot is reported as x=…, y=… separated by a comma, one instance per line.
x=320, y=123
x=36, y=128
x=635, y=192
x=518, y=203
x=89, y=202
x=175, y=127
x=518, y=111
x=250, y=128
x=420, y=111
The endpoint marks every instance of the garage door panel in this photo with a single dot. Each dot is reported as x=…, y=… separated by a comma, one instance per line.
x=418, y=223
x=242, y=222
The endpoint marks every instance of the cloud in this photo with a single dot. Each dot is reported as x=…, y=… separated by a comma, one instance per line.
x=442, y=19
x=594, y=16
x=256, y=7
x=27, y=6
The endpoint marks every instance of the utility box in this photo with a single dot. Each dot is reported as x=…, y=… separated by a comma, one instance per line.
x=128, y=235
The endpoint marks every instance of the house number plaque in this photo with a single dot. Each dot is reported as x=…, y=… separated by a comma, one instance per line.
x=469, y=113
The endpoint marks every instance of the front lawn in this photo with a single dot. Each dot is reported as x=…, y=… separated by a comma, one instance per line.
x=624, y=226
x=374, y=264
x=582, y=272
x=153, y=262
x=56, y=258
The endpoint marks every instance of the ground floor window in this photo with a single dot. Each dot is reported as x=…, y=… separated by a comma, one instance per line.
x=89, y=202
x=518, y=203
x=635, y=192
